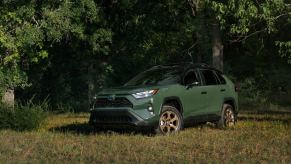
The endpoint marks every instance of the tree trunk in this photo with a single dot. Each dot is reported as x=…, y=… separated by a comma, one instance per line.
x=217, y=46
x=8, y=97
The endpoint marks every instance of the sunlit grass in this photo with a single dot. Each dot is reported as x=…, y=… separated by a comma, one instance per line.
x=64, y=138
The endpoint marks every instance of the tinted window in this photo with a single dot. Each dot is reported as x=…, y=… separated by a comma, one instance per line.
x=221, y=79
x=158, y=76
x=209, y=77
x=191, y=77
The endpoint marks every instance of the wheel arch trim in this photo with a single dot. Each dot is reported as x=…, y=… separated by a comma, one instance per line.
x=227, y=99
x=172, y=98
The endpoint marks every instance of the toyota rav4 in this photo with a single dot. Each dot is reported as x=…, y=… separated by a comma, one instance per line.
x=167, y=97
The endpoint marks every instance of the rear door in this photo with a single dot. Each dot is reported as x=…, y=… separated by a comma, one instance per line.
x=212, y=90
x=193, y=100
x=222, y=85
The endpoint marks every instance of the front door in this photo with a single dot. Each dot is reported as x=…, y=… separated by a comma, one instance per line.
x=193, y=98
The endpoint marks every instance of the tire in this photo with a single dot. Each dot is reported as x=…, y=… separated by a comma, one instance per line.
x=170, y=121
x=228, y=117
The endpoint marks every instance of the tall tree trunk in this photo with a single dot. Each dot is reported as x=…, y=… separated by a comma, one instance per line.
x=8, y=97
x=217, y=46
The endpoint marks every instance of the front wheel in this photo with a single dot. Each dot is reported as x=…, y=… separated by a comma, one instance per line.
x=170, y=120
x=227, y=118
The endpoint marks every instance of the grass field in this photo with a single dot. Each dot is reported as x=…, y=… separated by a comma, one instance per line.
x=263, y=136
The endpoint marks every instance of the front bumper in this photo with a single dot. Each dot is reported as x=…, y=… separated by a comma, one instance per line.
x=118, y=117
x=124, y=110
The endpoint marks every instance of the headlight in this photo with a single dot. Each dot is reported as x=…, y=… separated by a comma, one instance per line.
x=144, y=94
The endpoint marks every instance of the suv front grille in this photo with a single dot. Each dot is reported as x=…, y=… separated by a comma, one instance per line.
x=111, y=117
x=117, y=102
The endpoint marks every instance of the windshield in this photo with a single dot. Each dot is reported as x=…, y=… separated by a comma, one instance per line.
x=158, y=76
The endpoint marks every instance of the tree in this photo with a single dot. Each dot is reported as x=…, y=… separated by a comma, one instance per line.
x=240, y=20
x=236, y=21
x=31, y=31
x=155, y=32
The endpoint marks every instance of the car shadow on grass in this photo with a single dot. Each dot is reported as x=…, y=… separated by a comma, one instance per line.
x=87, y=129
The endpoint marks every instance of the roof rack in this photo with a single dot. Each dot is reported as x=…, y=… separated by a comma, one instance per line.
x=201, y=64
x=181, y=64
x=170, y=65
x=174, y=64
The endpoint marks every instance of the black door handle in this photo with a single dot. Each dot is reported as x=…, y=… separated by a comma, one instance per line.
x=222, y=90
x=203, y=92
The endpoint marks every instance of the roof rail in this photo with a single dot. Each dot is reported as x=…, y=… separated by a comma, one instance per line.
x=202, y=64
x=171, y=64
x=174, y=64
x=183, y=63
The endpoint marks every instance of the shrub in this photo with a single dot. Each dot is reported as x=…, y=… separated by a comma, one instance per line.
x=23, y=117
x=28, y=117
x=6, y=117
x=251, y=93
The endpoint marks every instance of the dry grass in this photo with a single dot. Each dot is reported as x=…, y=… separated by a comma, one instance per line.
x=258, y=138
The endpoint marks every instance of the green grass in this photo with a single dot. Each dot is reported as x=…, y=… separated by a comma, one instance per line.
x=263, y=136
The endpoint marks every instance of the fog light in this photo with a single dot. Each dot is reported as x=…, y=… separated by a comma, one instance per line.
x=150, y=108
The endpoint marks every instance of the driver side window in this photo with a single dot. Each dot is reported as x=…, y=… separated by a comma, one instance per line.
x=191, y=77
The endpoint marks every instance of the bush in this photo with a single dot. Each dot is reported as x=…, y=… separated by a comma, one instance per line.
x=29, y=117
x=6, y=117
x=22, y=117
x=251, y=93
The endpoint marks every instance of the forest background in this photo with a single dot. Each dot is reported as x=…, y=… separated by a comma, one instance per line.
x=65, y=51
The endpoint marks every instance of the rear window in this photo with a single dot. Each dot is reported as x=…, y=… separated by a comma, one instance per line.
x=191, y=77
x=209, y=77
x=221, y=78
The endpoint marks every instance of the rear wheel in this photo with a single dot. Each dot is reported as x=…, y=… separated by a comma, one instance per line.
x=227, y=118
x=170, y=120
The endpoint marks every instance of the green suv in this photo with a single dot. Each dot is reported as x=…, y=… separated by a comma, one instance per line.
x=168, y=97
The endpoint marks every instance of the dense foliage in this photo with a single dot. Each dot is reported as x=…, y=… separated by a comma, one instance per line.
x=22, y=117
x=68, y=50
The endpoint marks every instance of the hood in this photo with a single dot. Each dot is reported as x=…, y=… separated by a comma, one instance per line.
x=124, y=90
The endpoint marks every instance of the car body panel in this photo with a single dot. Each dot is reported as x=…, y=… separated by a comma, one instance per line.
x=198, y=103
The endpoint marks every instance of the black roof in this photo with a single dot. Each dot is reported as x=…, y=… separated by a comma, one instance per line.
x=189, y=64
x=186, y=65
